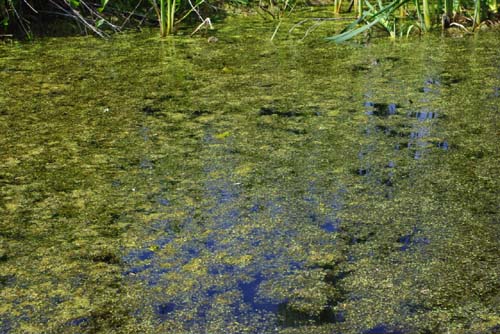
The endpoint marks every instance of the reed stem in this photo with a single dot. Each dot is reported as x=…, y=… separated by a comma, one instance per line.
x=163, y=19
x=427, y=15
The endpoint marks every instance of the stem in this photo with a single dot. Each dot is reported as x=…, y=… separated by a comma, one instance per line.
x=427, y=15
x=169, y=23
x=419, y=14
x=494, y=6
x=480, y=12
x=163, y=19
x=172, y=16
x=448, y=8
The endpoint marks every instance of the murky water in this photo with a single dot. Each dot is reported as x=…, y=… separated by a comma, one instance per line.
x=252, y=187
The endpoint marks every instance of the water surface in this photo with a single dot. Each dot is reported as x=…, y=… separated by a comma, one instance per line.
x=245, y=186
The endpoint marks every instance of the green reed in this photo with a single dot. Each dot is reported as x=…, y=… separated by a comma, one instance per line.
x=428, y=13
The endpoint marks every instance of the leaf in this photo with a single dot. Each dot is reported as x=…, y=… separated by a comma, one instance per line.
x=351, y=33
x=5, y=22
x=99, y=23
x=74, y=3
x=103, y=5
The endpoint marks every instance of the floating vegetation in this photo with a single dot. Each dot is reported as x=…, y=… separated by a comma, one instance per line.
x=277, y=197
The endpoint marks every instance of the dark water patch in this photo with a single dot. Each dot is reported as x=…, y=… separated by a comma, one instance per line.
x=144, y=132
x=191, y=251
x=220, y=269
x=297, y=131
x=334, y=277
x=266, y=84
x=401, y=145
x=3, y=257
x=222, y=194
x=106, y=257
x=412, y=239
x=362, y=171
x=199, y=112
x=146, y=164
x=331, y=225
x=6, y=280
x=361, y=238
x=137, y=269
x=450, y=80
x=392, y=58
x=420, y=133
x=166, y=225
x=290, y=317
x=423, y=115
x=78, y=322
x=406, y=241
x=384, y=329
x=411, y=308
x=250, y=291
x=389, y=131
x=163, y=310
x=161, y=242
x=381, y=109
x=257, y=208
x=359, y=68
x=270, y=111
x=150, y=111
x=432, y=81
x=165, y=97
x=426, y=90
x=163, y=201
x=388, y=182
x=443, y=145
x=140, y=255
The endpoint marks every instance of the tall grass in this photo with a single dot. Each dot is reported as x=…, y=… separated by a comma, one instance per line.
x=427, y=13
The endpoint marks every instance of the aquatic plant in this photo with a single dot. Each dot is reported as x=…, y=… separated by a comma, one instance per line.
x=23, y=13
x=166, y=16
x=383, y=15
x=427, y=14
x=166, y=13
x=24, y=17
x=276, y=10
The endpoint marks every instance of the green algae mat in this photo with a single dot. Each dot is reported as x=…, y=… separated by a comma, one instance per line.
x=244, y=186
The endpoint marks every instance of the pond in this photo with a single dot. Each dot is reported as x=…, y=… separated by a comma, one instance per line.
x=249, y=186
